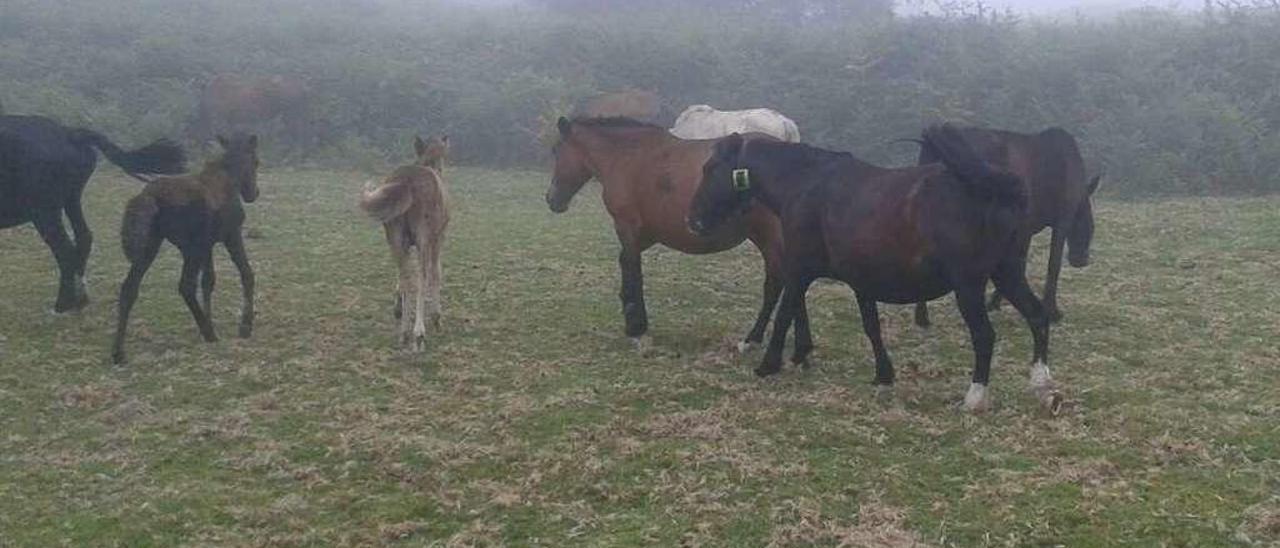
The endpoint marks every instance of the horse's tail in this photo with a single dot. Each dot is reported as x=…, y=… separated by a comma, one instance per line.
x=163, y=157
x=982, y=179
x=139, y=220
x=388, y=201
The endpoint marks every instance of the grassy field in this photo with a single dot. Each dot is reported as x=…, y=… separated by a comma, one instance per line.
x=532, y=421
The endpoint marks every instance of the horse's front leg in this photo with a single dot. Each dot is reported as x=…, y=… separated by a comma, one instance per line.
x=770, y=246
x=969, y=297
x=49, y=223
x=235, y=247
x=792, y=304
x=632, y=293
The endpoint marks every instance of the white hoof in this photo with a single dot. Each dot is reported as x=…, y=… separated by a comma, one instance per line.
x=977, y=400
x=1040, y=377
x=643, y=344
x=884, y=393
x=744, y=347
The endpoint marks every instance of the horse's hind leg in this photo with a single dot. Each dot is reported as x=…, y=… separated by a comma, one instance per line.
x=84, y=245
x=48, y=222
x=129, y=295
x=207, y=280
x=1011, y=280
x=420, y=303
x=192, y=263
x=870, y=313
x=969, y=297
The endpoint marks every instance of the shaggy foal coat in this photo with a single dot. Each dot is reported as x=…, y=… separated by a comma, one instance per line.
x=413, y=206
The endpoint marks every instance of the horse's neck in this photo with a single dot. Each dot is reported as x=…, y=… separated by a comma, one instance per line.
x=785, y=172
x=609, y=148
x=217, y=184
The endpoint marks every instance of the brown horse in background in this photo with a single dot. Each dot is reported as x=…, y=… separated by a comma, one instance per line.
x=194, y=213
x=233, y=103
x=1060, y=197
x=413, y=206
x=649, y=178
x=640, y=105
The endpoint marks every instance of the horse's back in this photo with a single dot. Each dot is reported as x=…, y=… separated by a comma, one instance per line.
x=703, y=122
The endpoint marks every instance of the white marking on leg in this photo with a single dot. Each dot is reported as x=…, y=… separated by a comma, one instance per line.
x=82, y=288
x=643, y=344
x=1040, y=377
x=977, y=400
x=744, y=347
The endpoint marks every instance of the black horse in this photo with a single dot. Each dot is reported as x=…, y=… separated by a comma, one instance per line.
x=893, y=235
x=44, y=167
x=1060, y=197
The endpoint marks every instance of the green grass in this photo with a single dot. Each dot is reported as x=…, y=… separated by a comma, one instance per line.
x=532, y=421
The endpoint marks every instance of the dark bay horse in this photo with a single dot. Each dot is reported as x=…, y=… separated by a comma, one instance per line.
x=649, y=178
x=44, y=167
x=893, y=235
x=193, y=212
x=1060, y=197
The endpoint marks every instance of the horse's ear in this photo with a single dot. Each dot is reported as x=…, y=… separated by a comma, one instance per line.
x=419, y=147
x=444, y=139
x=565, y=126
x=1094, y=184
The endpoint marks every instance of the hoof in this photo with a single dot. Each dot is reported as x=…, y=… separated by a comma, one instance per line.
x=745, y=347
x=420, y=343
x=977, y=400
x=118, y=358
x=1050, y=400
x=211, y=338
x=246, y=331
x=1055, y=316
x=643, y=345
x=768, y=369
x=884, y=394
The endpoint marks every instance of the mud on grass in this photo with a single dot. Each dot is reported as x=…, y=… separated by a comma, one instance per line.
x=530, y=420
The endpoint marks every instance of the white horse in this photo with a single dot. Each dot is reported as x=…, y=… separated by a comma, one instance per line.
x=704, y=122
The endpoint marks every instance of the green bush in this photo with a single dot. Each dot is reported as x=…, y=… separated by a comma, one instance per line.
x=1163, y=102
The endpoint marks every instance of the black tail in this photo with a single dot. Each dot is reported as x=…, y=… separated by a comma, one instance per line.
x=947, y=145
x=163, y=157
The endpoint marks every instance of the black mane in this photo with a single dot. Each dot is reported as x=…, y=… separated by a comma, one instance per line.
x=614, y=121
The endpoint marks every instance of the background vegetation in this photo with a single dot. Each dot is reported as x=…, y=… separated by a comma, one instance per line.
x=1165, y=102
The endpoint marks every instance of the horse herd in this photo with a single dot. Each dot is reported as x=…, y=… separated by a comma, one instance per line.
x=965, y=214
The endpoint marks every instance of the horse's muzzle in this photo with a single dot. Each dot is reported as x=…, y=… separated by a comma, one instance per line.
x=556, y=204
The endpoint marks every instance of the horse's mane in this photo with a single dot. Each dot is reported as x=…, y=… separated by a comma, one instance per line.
x=614, y=122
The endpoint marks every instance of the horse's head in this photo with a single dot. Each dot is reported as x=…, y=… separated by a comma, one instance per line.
x=1081, y=235
x=572, y=169
x=240, y=159
x=432, y=152
x=726, y=188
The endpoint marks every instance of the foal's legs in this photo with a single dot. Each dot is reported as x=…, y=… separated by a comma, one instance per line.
x=434, y=274
x=84, y=244
x=48, y=222
x=969, y=297
x=207, y=280
x=129, y=295
x=235, y=248
x=1056, y=244
x=193, y=261
x=419, y=323
x=1012, y=282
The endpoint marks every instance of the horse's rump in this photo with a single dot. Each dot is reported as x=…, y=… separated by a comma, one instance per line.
x=408, y=188
x=705, y=122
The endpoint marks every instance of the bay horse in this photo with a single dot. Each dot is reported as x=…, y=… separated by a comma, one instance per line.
x=1060, y=197
x=44, y=167
x=413, y=206
x=193, y=212
x=649, y=177
x=892, y=235
x=240, y=103
x=705, y=122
